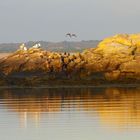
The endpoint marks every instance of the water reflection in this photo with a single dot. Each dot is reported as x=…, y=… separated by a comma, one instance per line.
x=113, y=107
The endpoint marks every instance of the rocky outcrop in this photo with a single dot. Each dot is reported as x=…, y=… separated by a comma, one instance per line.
x=115, y=59
x=37, y=65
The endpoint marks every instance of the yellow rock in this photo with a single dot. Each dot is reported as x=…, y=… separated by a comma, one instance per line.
x=130, y=66
x=66, y=60
x=111, y=76
x=115, y=57
x=119, y=44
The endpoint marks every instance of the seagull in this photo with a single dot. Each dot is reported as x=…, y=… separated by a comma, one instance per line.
x=23, y=47
x=36, y=46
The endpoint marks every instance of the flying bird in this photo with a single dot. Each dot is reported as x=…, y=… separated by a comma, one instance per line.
x=74, y=35
x=68, y=34
x=71, y=35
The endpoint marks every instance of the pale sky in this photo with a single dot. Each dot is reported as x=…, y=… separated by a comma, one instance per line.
x=50, y=20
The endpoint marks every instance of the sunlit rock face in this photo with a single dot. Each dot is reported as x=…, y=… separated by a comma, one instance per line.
x=38, y=65
x=115, y=59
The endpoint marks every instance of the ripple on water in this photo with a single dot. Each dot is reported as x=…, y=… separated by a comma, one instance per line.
x=79, y=112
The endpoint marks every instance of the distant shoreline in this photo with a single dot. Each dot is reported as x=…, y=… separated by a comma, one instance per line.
x=65, y=46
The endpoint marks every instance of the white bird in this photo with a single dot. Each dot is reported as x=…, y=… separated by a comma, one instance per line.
x=38, y=45
x=23, y=47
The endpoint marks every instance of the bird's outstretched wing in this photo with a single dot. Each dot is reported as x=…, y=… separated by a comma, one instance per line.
x=69, y=34
x=74, y=35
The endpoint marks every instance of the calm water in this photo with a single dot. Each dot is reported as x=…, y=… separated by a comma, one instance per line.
x=70, y=114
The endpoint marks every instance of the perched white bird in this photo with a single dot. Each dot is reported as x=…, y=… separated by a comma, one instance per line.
x=23, y=47
x=38, y=45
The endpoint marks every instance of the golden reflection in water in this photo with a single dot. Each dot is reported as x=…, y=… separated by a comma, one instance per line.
x=118, y=107
x=115, y=107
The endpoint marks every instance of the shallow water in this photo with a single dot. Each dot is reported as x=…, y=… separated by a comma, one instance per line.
x=70, y=114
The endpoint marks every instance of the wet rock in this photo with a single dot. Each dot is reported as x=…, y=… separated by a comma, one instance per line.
x=113, y=75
